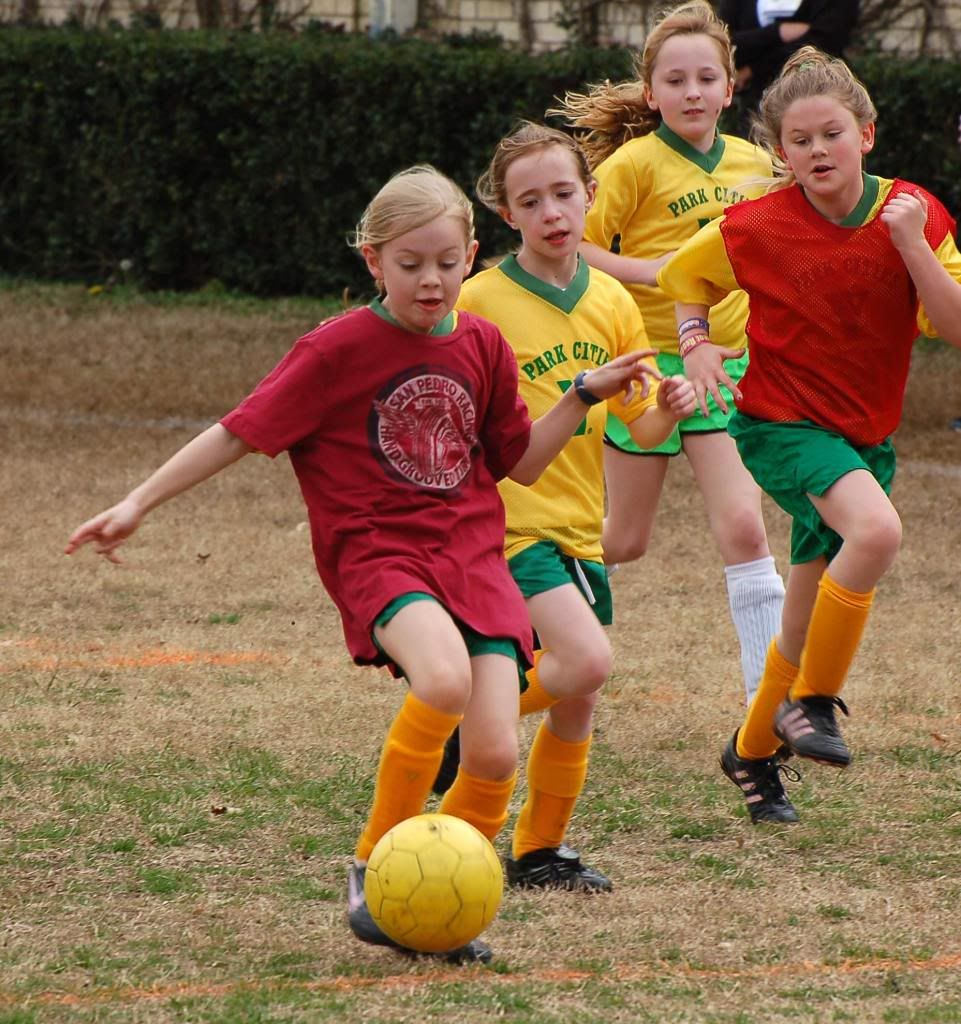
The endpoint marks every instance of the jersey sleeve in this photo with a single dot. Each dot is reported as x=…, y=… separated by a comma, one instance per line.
x=700, y=271
x=631, y=336
x=506, y=430
x=288, y=404
x=618, y=196
x=949, y=258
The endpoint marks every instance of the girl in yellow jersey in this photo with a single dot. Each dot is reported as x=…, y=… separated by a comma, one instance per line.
x=663, y=172
x=563, y=319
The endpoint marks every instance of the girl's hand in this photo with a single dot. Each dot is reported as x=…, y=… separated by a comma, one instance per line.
x=107, y=531
x=791, y=31
x=676, y=396
x=704, y=368
x=905, y=216
x=621, y=374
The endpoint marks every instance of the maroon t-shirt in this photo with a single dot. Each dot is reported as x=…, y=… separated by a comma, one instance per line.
x=398, y=440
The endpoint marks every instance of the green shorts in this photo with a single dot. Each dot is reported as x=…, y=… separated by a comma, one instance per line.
x=543, y=566
x=670, y=364
x=476, y=643
x=791, y=461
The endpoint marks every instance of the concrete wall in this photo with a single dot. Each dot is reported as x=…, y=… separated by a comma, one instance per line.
x=934, y=27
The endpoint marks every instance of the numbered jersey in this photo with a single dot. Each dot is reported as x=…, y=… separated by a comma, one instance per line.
x=653, y=194
x=555, y=333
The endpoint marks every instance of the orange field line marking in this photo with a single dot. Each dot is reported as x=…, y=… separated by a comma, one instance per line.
x=147, y=659
x=477, y=975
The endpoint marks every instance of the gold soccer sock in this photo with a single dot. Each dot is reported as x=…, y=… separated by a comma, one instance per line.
x=755, y=738
x=834, y=633
x=482, y=802
x=535, y=697
x=408, y=764
x=556, y=771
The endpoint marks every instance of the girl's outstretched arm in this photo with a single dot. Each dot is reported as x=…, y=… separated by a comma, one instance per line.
x=207, y=454
x=626, y=269
x=905, y=216
x=550, y=432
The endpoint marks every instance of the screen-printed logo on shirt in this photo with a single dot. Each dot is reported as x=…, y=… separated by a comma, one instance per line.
x=423, y=428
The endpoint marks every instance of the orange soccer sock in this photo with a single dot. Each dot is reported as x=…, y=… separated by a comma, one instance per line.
x=535, y=697
x=834, y=634
x=755, y=738
x=482, y=802
x=408, y=765
x=556, y=771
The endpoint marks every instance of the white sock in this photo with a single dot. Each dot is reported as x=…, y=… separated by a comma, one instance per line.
x=755, y=593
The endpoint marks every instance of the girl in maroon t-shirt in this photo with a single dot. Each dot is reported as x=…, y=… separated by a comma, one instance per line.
x=399, y=419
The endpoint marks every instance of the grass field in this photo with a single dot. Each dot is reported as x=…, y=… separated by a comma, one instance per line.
x=186, y=751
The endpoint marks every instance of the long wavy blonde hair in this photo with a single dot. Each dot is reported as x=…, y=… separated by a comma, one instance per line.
x=609, y=114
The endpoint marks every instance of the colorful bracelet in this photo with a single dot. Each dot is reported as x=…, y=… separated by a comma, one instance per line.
x=693, y=322
x=689, y=344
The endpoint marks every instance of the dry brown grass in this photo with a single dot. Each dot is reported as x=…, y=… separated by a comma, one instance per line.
x=210, y=671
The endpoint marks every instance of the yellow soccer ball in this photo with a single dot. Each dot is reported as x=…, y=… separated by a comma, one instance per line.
x=433, y=883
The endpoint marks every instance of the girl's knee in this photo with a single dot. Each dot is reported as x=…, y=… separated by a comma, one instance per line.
x=624, y=545
x=878, y=536
x=444, y=686
x=740, y=528
x=587, y=667
x=493, y=758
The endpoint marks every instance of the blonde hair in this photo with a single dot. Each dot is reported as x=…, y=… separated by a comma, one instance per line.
x=527, y=137
x=608, y=115
x=807, y=73
x=409, y=200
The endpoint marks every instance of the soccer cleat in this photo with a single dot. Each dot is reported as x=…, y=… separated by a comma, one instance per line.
x=760, y=782
x=449, y=764
x=808, y=726
x=367, y=930
x=555, y=867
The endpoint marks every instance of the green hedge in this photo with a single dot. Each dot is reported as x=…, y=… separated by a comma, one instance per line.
x=246, y=159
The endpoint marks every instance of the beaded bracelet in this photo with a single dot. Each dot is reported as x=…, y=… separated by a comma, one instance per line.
x=695, y=321
x=689, y=344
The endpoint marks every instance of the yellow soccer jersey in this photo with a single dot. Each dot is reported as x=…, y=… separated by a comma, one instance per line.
x=654, y=193
x=701, y=272
x=555, y=333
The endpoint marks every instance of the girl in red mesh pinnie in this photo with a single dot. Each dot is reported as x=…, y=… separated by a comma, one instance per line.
x=842, y=269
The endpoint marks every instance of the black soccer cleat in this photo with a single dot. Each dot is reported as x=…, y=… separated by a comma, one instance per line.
x=809, y=727
x=367, y=930
x=449, y=764
x=760, y=782
x=555, y=867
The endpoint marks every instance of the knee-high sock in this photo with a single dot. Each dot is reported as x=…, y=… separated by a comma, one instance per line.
x=834, y=633
x=408, y=764
x=755, y=738
x=755, y=594
x=556, y=771
x=535, y=697
x=482, y=802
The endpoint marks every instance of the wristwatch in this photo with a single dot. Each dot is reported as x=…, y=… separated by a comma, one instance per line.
x=582, y=393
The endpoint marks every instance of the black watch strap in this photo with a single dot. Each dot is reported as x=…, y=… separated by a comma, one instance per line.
x=582, y=393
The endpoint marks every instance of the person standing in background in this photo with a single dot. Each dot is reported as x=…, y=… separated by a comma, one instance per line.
x=766, y=32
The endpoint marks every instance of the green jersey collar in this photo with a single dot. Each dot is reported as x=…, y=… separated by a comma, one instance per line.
x=706, y=161
x=565, y=299
x=446, y=326
x=869, y=196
